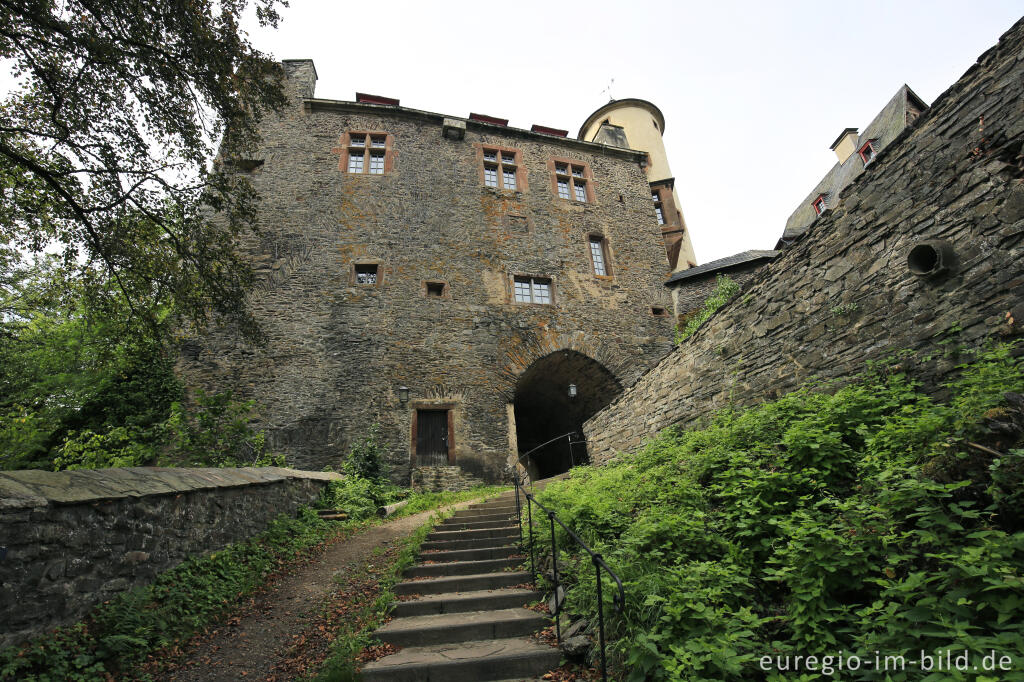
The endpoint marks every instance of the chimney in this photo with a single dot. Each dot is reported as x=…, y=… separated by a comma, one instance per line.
x=845, y=145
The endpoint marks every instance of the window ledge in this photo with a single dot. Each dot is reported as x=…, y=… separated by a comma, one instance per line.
x=506, y=193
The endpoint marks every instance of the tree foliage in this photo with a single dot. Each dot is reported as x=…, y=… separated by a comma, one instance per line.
x=106, y=145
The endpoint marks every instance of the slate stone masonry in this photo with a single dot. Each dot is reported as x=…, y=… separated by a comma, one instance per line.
x=844, y=294
x=338, y=351
x=72, y=539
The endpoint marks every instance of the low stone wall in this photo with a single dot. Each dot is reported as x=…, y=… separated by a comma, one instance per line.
x=844, y=294
x=72, y=539
x=437, y=479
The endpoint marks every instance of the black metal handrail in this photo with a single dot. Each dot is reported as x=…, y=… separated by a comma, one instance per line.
x=572, y=442
x=618, y=599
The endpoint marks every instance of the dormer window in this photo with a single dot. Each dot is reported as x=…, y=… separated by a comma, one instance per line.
x=867, y=152
x=819, y=205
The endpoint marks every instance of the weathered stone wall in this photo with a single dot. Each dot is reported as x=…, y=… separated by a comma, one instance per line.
x=844, y=294
x=437, y=479
x=689, y=295
x=72, y=539
x=338, y=351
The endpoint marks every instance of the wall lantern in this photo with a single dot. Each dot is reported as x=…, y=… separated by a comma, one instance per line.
x=403, y=394
x=572, y=391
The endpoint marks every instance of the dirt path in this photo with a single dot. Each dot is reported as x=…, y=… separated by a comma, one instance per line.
x=250, y=644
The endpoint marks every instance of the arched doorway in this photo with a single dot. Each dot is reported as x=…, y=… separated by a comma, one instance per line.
x=544, y=409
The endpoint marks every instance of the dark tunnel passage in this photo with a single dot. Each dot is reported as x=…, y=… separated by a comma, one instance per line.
x=544, y=409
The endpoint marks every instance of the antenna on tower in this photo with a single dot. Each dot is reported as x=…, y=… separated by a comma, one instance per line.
x=608, y=90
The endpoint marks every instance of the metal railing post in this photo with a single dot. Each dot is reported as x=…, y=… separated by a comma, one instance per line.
x=554, y=569
x=619, y=598
x=533, y=560
x=519, y=510
x=600, y=614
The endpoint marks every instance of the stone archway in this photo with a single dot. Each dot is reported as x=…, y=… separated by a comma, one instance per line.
x=544, y=409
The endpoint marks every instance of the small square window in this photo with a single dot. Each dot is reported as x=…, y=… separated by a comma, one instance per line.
x=532, y=290
x=508, y=159
x=378, y=141
x=561, y=169
x=490, y=155
x=867, y=152
x=366, y=273
x=435, y=289
x=819, y=205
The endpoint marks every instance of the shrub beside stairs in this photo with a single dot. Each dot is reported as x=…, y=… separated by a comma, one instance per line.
x=462, y=617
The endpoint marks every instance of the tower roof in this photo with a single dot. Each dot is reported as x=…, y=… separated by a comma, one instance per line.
x=620, y=103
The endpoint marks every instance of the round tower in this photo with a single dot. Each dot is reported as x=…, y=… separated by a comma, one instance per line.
x=638, y=124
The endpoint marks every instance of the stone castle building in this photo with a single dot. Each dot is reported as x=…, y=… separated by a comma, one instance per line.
x=450, y=279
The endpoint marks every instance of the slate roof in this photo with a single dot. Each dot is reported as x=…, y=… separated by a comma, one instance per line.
x=889, y=123
x=722, y=264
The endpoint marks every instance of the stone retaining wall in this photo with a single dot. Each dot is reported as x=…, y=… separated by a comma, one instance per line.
x=438, y=479
x=844, y=294
x=72, y=539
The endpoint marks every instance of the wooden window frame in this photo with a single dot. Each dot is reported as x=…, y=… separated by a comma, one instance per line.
x=517, y=163
x=605, y=254
x=346, y=146
x=586, y=179
x=521, y=276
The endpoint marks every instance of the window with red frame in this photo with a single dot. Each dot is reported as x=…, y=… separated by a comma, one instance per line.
x=819, y=205
x=867, y=152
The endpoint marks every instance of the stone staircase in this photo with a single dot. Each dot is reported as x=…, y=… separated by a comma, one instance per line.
x=462, y=616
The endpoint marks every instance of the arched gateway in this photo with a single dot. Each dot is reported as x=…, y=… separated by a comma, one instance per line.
x=546, y=408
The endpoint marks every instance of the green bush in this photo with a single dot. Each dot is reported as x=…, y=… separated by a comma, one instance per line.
x=855, y=518
x=725, y=289
x=365, y=458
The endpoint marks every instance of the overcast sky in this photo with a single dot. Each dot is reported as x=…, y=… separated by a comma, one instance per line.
x=753, y=92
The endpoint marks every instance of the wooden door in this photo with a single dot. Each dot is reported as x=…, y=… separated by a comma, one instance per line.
x=431, y=438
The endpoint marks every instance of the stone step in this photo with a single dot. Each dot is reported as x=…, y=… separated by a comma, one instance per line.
x=474, y=567
x=472, y=543
x=460, y=602
x=491, y=508
x=477, y=534
x=499, y=552
x=467, y=515
x=445, y=628
x=470, y=524
x=474, y=661
x=462, y=583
